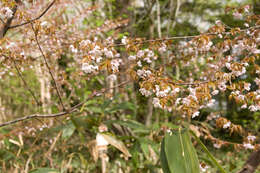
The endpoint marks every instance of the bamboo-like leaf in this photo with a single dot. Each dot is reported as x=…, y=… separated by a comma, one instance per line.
x=211, y=157
x=178, y=154
x=116, y=143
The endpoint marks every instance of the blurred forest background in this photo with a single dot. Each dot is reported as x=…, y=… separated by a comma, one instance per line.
x=65, y=144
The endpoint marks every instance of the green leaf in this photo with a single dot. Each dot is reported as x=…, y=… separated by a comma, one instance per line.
x=211, y=157
x=134, y=125
x=68, y=130
x=178, y=154
x=164, y=161
x=122, y=106
x=44, y=170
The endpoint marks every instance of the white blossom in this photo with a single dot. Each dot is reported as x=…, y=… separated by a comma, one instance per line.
x=140, y=53
x=251, y=138
x=222, y=86
x=44, y=23
x=215, y=92
x=175, y=90
x=228, y=65
x=211, y=103
x=248, y=146
x=115, y=64
x=239, y=73
x=73, y=49
x=150, y=53
x=96, y=51
x=108, y=53
x=145, y=92
x=195, y=114
x=186, y=101
x=156, y=103
x=6, y=13
x=88, y=68
x=244, y=106
x=132, y=57
x=144, y=73
x=101, y=141
x=148, y=60
x=124, y=40
x=237, y=15
x=117, y=55
x=257, y=81
x=99, y=59
x=162, y=93
x=217, y=146
x=84, y=43
x=227, y=125
x=203, y=169
x=247, y=86
x=163, y=48
x=139, y=63
x=192, y=91
x=254, y=108
x=178, y=101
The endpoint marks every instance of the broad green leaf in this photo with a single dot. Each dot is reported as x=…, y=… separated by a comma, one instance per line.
x=164, y=161
x=178, y=154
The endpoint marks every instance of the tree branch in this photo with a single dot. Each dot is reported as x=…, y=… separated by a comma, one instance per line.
x=7, y=24
x=71, y=110
x=180, y=37
x=47, y=65
x=24, y=82
x=32, y=20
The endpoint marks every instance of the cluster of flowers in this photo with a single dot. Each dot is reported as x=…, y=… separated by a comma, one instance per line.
x=6, y=13
x=94, y=54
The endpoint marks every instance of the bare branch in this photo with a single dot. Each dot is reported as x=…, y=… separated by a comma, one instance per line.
x=71, y=110
x=24, y=82
x=30, y=21
x=47, y=65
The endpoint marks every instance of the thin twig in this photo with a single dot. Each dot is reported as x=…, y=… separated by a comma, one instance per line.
x=32, y=20
x=2, y=21
x=71, y=110
x=47, y=65
x=194, y=83
x=24, y=82
x=180, y=37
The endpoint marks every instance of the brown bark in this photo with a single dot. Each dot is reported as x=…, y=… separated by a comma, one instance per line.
x=252, y=162
x=6, y=25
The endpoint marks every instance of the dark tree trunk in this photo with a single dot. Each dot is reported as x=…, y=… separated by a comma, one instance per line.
x=252, y=163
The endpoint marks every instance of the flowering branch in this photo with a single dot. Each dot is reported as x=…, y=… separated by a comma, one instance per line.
x=32, y=20
x=180, y=37
x=7, y=24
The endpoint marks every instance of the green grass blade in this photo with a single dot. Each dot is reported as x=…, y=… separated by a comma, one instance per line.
x=208, y=153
